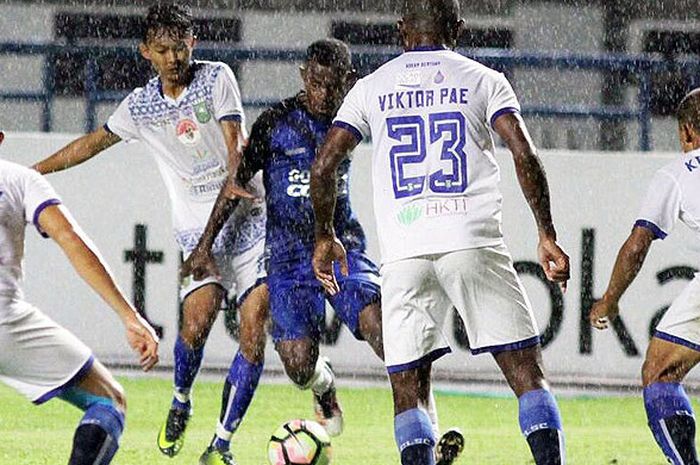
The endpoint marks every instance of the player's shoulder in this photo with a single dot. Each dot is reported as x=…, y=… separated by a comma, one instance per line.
x=14, y=170
x=148, y=92
x=278, y=112
x=13, y=174
x=212, y=69
x=687, y=166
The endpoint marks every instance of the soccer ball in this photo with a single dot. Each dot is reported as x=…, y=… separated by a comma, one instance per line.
x=299, y=442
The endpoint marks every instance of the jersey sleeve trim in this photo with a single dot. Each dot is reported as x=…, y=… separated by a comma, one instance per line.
x=237, y=118
x=503, y=111
x=42, y=206
x=658, y=232
x=349, y=127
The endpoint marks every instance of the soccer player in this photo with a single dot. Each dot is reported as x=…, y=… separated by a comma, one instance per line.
x=282, y=145
x=40, y=358
x=674, y=194
x=190, y=115
x=429, y=113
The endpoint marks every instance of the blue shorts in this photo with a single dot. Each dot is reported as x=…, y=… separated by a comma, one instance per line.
x=298, y=301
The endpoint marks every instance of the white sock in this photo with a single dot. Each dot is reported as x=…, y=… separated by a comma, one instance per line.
x=322, y=379
x=432, y=413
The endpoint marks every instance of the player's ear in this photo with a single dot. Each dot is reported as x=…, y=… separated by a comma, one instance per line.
x=401, y=25
x=459, y=29
x=687, y=134
x=145, y=51
x=302, y=72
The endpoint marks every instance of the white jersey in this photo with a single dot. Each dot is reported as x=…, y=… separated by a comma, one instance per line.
x=435, y=178
x=674, y=194
x=188, y=144
x=24, y=194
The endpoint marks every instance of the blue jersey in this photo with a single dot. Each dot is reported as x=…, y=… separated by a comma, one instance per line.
x=283, y=143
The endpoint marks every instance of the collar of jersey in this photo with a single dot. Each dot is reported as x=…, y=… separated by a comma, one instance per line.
x=428, y=48
x=182, y=95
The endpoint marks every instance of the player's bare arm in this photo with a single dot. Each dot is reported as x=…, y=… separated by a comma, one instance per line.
x=324, y=191
x=201, y=263
x=533, y=182
x=78, y=151
x=629, y=261
x=59, y=225
x=234, y=144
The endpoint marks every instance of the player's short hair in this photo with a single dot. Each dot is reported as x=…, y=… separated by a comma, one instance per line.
x=431, y=16
x=174, y=19
x=330, y=52
x=689, y=109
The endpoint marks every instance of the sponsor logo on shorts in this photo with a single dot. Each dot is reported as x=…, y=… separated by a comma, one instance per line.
x=431, y=208
x=188, y=132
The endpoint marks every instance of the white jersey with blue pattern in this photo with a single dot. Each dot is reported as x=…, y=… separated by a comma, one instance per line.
x=429, y=113
x=673, y=195
x=188, y=144
x=24, y=194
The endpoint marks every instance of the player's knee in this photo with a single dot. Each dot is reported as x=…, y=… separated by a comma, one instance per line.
x=253, y=340
x=300, y=375
x=299, y=371
x=652, y=372
x=253, y=351
x=117, y=396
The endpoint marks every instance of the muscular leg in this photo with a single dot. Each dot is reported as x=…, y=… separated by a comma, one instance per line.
x=370, y=321
x=412, y=425
x=299, y=357
x=96, y=439
x=199, y=312
x=246, y=368
x=540, y=420
x=668, y=408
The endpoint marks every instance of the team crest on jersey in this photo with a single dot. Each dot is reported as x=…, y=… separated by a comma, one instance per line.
x=202, y=112
x=188, y=132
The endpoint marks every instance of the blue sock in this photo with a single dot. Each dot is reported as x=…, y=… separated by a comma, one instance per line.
x=540, y=423
x=414, y=437
x=187, y=363
x=241, y=382
x=672, y=421
x=96, y=439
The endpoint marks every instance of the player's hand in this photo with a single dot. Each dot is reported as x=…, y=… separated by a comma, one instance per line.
x=235, y=190
x=603, y=313
x=554, y=261
x=143, y=340
x=200, y=264
x=329, y=250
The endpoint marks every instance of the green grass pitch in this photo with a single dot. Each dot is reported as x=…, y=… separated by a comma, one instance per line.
x=599, y=431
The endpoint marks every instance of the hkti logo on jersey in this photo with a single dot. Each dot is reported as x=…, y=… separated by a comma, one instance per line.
x=410, y=214
x=188, y=132
x=431, y=208
x=202, y=112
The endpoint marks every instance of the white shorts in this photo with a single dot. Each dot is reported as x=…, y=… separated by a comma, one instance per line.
x=239, y=274
x=38, y=357
x=418, y=293
x=681, y=322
